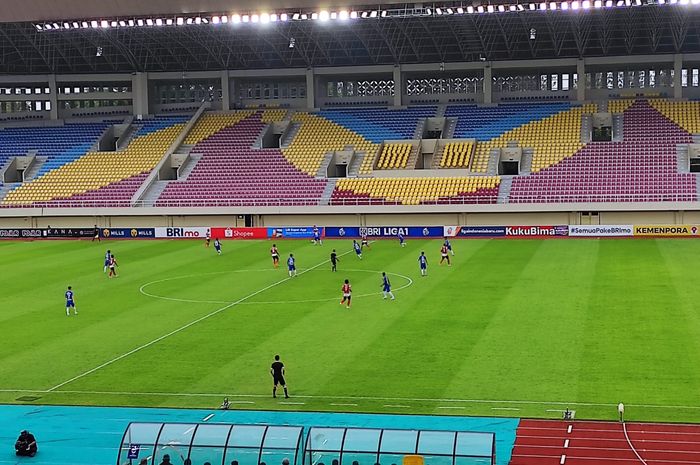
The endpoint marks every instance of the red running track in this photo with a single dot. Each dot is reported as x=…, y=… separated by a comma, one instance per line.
x=552, y=442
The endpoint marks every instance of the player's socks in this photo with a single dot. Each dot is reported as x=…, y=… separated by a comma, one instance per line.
x=67, y=312
x=274, y=392
x=286, y=395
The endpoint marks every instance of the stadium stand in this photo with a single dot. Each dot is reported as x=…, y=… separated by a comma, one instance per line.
x=230, y=172
x=456, y=155
x=211, y=123
x=414, y=191
x=121, y=171
x=318, y=136
x=379, y=124
x=643, y=167
x=552, y=138
x=394, y=156
x=619, y=106
x=685, y=114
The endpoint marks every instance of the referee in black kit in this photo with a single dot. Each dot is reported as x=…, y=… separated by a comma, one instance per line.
x=277, y=371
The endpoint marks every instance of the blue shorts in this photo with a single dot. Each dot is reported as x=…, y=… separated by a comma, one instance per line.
x=387, y=288
x=70, y=303
x=423, y=266
x=291, y=267
x=358, y=251
x=106, y=262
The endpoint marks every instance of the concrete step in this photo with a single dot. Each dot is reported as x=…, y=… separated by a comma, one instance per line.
x=323, y=169
x=526, y=161
x=683, y=158
x=504, y=189
x=586, y=128
x=355, y=164
x=328, y=191
x=291, y=133
x=420, y=127
x=153, y=192
x=618, y=128
x=189, y=165
x=492, y=168
x=33, y=170
x=450, y=127
x=412, y=158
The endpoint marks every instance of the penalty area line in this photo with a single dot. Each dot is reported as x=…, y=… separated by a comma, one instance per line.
x=183, y=327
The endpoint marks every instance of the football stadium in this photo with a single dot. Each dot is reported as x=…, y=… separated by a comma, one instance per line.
x=328, y=232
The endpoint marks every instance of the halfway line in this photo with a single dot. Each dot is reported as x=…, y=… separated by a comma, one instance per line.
x=184, y=327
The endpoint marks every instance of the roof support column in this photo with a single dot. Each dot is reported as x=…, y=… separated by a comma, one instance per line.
x=677, y=70
x=398, y=86
x=53, y=97
x=581, y=80
x=139, y=92
x=310, y=89
x=488, y=81
x=225, y=91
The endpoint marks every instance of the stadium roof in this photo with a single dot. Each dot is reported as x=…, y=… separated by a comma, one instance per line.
x=409, y=33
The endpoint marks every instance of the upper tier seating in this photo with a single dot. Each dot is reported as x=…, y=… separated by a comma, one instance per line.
x=643, y=167
x=394, y=156
x=230, y=172
x=552, y=138
x=318, y=136
x=414, y=191
x=97, y=170
x=620, y=106
x=684, y=114
x=380, y=124
x=60, y=144
x=456, y=155
x=489, y=122
x=211, y=123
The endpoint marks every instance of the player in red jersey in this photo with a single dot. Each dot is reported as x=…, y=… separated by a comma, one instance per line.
x=112, y=267
x=365, y=241
x=444, y=254
x=347, y=294
x=275, y=256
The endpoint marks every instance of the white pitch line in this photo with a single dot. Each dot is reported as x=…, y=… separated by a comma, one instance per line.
x=397, y=406
x=343, y=405
x=208, y=417
x=293, y=403
x=184, y=327
x=455, y=407
x=370, y=398
x=504, y=408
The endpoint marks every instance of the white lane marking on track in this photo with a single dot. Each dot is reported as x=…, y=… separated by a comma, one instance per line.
x=566, y=444
x=371, y=398
x=142, y=289
x=208, y=417
x=624, y=428
x=184, y=327
x=569, y=429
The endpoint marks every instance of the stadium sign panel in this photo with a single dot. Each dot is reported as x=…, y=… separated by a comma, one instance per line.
x=239, y=233
x=536, y=231
x=182, y=232
x=474, y=231
x=301, y=232
x=129, y=233
x=685, y=230
x=385, y=231
x=21, y=233
x=625, y=230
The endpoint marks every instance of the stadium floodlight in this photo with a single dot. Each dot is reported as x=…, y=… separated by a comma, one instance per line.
x=215, y=19
x=224, y=19
x=639, y=2
x=245, y=18
x=450, y=11
x=255, y=18
x=76, y=25
x=552, y=6
x=662, y=2
x=373, y=14
x=122, y=23
x=684, y=2
x=273, y=17
x=180, y=21
x=343, y=15
x=84, y=25
x=428, y=11
x=334, y=15
x=574, y=5
x=139, y=22
x=501, y=8
x=304, y=16
x=608, y=3
x=470, y=10
x=149, y=22
x=564, y=6
x=673, y=2
x=543, y=6
x=353, y=15
x=47, y=27
x=532, y=7
x=490, y=9
x=521, y=7
x=295, y=16
x=236, y=18
x=586, y=4
x=314, y=16
x=66, y=25
x=169, y=21
x=323, y=15
x=104, y=24
x=460, y=10
x=159, y=21
x=365, y=14
x=480, y=9
x=384, y=13
x=198, y=20
x=598, y=4
x=39, y=27
x=94, y=24
x=205, y=20
x=284, y=17
x=438, y=11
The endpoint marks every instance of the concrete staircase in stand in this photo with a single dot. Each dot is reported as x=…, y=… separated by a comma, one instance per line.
x=328, y=192
x=526, y=161
x=153, y=192
x=355, y=164
x=618, y=123
x=504, y=189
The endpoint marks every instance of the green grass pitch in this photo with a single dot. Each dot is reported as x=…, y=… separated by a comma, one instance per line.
x=513, y=328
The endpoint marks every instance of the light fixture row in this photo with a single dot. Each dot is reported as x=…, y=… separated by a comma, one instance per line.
x=346, y=15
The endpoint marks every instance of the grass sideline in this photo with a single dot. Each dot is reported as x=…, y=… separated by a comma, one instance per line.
x=514, y=328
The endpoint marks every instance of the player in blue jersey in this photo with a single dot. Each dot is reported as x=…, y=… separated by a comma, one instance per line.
x=402, y=241
x=358, y=249
x=70, y=301
x=386, y=286
x=317, y=236
x=291, y=265
x=449, y=246
x=423, y=262
x=217, y=246
x=108, y=255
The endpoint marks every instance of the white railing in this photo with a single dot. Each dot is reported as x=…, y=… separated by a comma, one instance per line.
x=302, y=202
